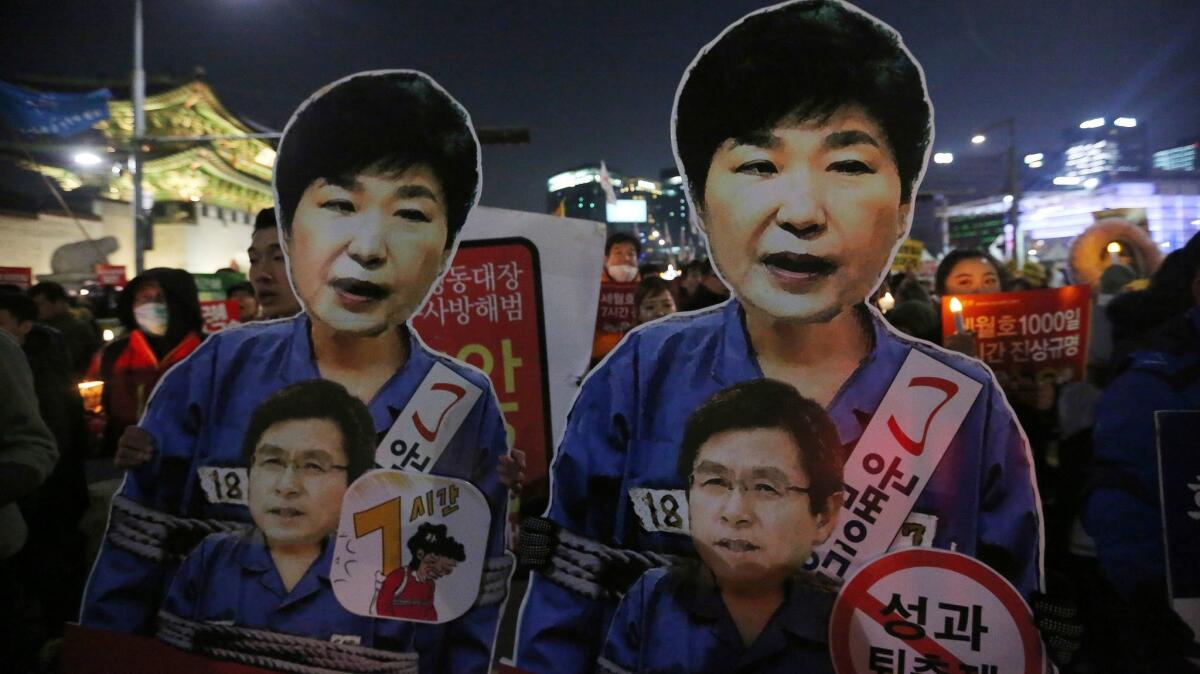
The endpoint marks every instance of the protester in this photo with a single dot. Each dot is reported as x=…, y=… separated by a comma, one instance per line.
x=268, y=269
x=52, y=559
x=54, y=309
x=621, y=253
x=794, y=87
x=653, y=299
x=710, y=291
x=1123, y=512
x=966, y=272
x=160, y=310
x=914, y=313
x=747, y=605
x=27, y=456
x=689, y=281
x=247, y=301
x=375, y=178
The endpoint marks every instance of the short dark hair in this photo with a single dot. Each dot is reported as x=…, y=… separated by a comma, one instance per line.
x=621, y=237
x=958, y=255
x=240, y=286
x=768, y=403
x=435, y=539
x=19, y=305
x=803, y=60
x=318, y=399
x=265, y=219
x=650, y=286
x=53, y=292
x=380, y=121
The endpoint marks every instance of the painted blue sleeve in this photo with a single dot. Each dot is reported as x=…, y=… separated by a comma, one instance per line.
x=622, y=648
x=469, y=640
x=125, y=590
x=1126, y=528
x=189, y=585
x=561, y=630
x=1010, y=515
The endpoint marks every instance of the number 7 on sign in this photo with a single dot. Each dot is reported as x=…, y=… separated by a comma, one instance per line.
x=384, y=518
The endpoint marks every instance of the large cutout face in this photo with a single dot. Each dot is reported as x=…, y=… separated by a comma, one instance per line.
x=749, y=511
x=365, y=249
x=802, y=218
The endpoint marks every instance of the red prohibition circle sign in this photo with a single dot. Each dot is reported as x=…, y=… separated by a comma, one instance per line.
x=856, y=597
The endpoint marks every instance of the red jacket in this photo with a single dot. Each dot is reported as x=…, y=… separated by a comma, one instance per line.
x=403, y=596
x=129, y=370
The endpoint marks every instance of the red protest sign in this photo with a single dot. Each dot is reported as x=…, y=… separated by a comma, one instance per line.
x=110, y=274
x=1028, y=335
x=487, y=311
x=932, y=610
x=616, y=312
x=22, y=277
x=219, y=314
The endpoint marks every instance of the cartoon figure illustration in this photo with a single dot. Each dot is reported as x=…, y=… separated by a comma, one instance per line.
x=801, y=134
x=408, y=591
x=764, y=472
x=374, y=179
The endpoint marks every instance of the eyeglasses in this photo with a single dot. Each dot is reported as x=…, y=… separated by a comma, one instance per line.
x=758, y=489
x=308, y=466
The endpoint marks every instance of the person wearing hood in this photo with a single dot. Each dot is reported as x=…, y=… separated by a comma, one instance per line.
x=160, y=310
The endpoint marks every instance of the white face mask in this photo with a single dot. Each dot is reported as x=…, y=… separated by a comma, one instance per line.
x=622, y=273
x=152, y=318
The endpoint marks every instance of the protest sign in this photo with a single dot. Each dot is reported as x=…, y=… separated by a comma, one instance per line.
x=22, y=277
x=410, y=547
x=616, y=312
x=491, y=310
x=1179, y=484
x=219, y=314
x=908, y=257
x=1027, y=336
x=110, y=274
x=932, y=610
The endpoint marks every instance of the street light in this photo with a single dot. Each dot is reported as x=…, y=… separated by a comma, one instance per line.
x=1014, y=187
x=943, y=158
x=86, y=158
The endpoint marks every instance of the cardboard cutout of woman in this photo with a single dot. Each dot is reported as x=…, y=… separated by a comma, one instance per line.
x=374, y=179
x=801, y=132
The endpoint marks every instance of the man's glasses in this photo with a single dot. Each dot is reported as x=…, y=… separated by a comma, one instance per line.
x=754, y=488
x=308, y=466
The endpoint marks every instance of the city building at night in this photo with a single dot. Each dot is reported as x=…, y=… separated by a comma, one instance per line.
x=1169, y=208
x=1103, y=148
x=656, y=211
x=1179, y=158
x=202, y=195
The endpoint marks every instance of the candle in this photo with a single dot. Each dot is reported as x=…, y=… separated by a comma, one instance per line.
x=956, y=308
x=887, y=302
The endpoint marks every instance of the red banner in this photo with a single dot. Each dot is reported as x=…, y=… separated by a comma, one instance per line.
x=1031, y=334
x=110, y=274
x=616, y=312
x=487, y=311
x=219, y=314
x=22, y=277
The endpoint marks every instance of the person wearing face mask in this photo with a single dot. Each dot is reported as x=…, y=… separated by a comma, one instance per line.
x=620, y=271
x=160, y=310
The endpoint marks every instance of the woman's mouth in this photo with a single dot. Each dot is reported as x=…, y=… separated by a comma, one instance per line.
x=285, y=512
x=353, y=292
x=797, y=268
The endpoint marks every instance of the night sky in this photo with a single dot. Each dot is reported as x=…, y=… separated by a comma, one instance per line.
x=597, y=80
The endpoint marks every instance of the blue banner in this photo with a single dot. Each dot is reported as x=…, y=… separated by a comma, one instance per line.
x=53, y=114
